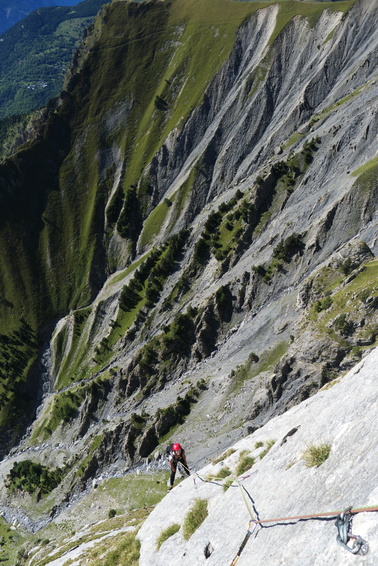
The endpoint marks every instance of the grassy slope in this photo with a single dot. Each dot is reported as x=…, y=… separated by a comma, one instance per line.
x=170, y=64
x=131, y=497
x=52, y=223
x=194, y=27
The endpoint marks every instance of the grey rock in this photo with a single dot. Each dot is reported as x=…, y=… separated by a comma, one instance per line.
x=280, y=485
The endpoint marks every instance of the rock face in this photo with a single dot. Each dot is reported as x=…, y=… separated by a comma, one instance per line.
x=281, y=485
x=211, y=257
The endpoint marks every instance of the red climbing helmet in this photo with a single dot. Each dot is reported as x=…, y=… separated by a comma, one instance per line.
x=176, y=447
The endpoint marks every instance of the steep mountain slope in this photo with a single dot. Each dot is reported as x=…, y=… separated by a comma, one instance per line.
x=189, y=245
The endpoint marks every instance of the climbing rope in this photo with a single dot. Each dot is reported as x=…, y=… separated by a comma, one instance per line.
x=250, y=504
x=213, y=480
x=343, y=519
x=343, y=524
x=245, y=540
x=352, y=511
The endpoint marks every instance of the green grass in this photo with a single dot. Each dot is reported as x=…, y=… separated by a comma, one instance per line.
x=227, y=238
x=368, y=170
x=223, y=473
x=180, y=70
x=50, y=267
x=96, y=443
x=154, y=222
x=316, y=454
x=70, y=347
x=137, y=491
x=12, y=541
x=252, y=368
x=181, y=197
x=62, y=408
x=133, y=496
x=126, y=552
x=125, y=272
x=194, y=518
x=296, y=137
x=245, y=463
x=117, y=551
x=336, y=105
x=166, y=534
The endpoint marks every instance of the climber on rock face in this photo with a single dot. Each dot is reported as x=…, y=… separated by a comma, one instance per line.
x=176, y=454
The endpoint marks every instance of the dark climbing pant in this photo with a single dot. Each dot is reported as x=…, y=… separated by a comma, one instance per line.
x=173, y=472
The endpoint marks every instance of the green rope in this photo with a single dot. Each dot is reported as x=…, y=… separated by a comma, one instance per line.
x=246, y=501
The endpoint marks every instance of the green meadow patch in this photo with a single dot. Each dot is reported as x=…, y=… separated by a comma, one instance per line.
x=256, y=365
x=367, y=174
x=155, y=221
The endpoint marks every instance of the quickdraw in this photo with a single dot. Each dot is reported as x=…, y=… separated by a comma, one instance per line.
x=344, y=526
x=245, y=540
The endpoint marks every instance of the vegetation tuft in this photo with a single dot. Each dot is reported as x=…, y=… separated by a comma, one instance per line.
x=316, y=454
x=166, y=534
x=195, y=517
x=245, y=462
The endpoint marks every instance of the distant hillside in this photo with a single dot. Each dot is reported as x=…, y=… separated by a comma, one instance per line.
x=35, y=54
x=13, y=12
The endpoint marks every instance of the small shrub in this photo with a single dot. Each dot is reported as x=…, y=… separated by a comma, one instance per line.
x=323, y=304
x=112, y=513
x=346, y=267
x=316, y=454
x=227, y=483
x=224, y=473
x=259, y=270
x=289, y=247
x=201, y=252
x=245, y=463
x=195, y=518
x=342, y=325
x=168, y=532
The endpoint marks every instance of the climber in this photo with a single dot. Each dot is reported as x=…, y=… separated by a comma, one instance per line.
x=176, y=454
